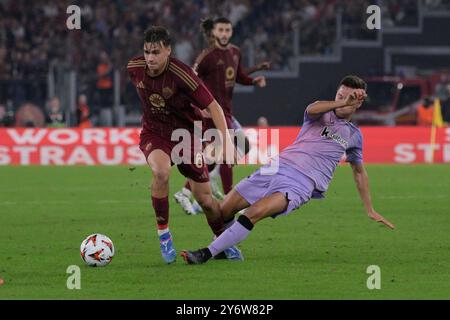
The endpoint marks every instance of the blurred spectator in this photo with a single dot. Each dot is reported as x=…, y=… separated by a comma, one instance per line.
x=184, y=50
x=2, y=115
x=6, y=116
x=104, y=81
x=437, y=5
x=30, y=116
x=402, y=12
x=425, y=112
x=83, y=112
x=55, y=114
x=238, y=10
x=445, y=107
x=260, y=37
x=262, y=122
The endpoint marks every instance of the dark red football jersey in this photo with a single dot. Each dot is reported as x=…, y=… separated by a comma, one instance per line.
x=167, y=98
x=220, y=69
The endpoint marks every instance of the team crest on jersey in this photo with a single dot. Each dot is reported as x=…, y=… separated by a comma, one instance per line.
x=157, y=101
x=167, y=92
x=229, y=73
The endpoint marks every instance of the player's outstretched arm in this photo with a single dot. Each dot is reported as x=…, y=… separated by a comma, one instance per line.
x=362, y=184
x=259, y=67
x=354, y=99
x=317, y=108
x=243, y=78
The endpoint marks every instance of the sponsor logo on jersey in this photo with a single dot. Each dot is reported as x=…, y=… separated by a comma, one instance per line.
x=335, y=137
x=167, y=92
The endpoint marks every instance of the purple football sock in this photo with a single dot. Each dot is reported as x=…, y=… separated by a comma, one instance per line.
x=230, y=237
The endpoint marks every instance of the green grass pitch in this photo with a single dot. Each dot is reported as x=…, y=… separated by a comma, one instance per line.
x=320, y=251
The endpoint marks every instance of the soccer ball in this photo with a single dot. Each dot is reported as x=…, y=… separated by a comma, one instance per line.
x=97, y=250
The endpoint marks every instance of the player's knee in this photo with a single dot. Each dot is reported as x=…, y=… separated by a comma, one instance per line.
x=161, y=176
x=255, y=213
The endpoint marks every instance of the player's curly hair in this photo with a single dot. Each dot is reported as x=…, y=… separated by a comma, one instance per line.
x=207, y=26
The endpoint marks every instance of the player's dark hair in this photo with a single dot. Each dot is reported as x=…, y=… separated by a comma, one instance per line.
x=353, y=82
x=222, y=20
x=207, y=25
x=157, y=34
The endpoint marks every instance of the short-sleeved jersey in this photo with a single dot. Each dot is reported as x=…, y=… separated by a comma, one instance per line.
x=167, y=99
x=220, y=69
x=320, y=146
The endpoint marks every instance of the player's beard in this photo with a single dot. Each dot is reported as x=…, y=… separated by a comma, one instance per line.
x=218, y=40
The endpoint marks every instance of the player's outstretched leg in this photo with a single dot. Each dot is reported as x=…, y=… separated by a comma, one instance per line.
x=239, y=231
x=211, y=207
x=232, y=204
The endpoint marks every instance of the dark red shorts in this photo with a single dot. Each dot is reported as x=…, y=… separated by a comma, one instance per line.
x=195, y=170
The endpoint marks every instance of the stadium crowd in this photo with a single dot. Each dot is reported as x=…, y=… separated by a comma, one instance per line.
x=34, y=36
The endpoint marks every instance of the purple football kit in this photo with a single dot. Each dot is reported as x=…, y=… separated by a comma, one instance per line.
x=306, y=167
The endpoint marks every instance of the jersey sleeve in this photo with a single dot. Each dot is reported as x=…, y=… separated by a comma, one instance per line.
x=326, y=118
x=354, y=153
x=134, y=69
x=191, y=85
x=307, y=118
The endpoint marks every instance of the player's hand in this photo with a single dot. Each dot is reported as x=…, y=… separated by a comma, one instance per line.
x=355, y=98
x=379, y=218
x=260, y=81
x=264, y=65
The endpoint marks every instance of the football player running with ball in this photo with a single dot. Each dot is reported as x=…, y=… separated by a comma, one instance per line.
x=168, y=90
